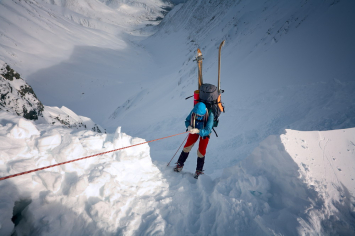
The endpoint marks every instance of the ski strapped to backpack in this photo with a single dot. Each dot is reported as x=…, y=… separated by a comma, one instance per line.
x=209, y=94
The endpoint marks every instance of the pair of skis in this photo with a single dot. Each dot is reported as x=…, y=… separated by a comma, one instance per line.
x=199, y=59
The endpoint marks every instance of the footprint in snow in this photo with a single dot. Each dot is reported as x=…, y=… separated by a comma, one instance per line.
x=256, y=193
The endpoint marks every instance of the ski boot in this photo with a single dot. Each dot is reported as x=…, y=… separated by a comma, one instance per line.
x=181, y=161
x=178, y=167
x=198, y=173
x=200, y=163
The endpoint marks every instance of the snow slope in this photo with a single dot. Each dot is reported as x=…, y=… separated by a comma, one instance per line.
x=298, y=183
x=284, y=65
x=36, y=34
x=78, y=54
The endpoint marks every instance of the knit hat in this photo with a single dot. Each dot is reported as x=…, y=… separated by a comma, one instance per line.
x=199, y=109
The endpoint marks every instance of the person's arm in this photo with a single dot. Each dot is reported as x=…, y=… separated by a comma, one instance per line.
x=209, y=125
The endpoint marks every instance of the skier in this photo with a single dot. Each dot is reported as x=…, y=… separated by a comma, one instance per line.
x=199, y=123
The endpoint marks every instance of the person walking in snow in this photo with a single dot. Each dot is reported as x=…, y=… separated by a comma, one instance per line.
x=199, y=123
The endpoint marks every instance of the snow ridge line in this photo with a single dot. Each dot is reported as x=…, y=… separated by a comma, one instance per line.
x=82, y=158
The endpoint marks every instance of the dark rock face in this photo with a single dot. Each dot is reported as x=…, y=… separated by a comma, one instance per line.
x=17, y=96
x=10, y=74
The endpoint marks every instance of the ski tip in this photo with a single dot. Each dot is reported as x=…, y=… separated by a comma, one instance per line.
x=199, y=53
x=222, y=44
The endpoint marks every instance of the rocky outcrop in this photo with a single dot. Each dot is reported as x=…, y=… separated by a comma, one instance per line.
x=17, y=96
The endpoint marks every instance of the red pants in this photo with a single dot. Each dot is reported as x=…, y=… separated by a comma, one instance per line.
x=191, y=140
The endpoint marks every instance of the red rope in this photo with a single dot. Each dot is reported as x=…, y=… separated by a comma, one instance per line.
x=99, y=154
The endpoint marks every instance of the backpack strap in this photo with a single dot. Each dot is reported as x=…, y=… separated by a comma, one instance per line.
x=218, y=101
x=206, y=118
x=215, y=132
x=193, y=118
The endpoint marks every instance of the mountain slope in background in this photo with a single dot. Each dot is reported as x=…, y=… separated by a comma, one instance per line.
x=284, y=65
x=36, y=34
x=78, y=54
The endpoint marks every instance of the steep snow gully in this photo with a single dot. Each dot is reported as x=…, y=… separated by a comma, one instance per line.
x=284, y=162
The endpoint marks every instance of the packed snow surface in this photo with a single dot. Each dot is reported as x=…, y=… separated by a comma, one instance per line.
x=296, y=183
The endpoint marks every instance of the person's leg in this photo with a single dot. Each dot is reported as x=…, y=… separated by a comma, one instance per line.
x=191, y=140
x=202, y=147
x=201, y=152
x=200, y=163
x=182, y=158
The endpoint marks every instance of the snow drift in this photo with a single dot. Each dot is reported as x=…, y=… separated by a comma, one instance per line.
x=106, y=194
